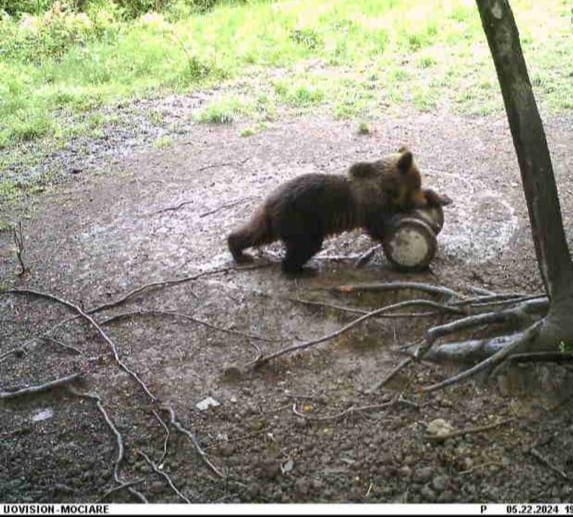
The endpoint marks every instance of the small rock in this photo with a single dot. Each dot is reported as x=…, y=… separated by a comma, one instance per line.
x=386, y=458
x=301, y=487
x=405, y=471
x=156, y=487
x=287, y=466
x=447, y=496
x=43, y=414
x=440, y=483
x=226, y=449
x=317, y=485
x=301, y=423
x=270, y=469
x=428, y=493
x=423, y=475
x=232, y=373
x=207, y=403
x=439, y=428
x=409, y=460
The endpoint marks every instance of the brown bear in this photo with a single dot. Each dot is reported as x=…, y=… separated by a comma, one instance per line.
x=308, y=208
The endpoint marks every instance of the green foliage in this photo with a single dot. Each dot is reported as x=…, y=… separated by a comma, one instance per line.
x=363, y=128
x=223, y=111
x=358, y=59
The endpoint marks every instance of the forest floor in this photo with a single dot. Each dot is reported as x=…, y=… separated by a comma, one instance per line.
x=127, y=214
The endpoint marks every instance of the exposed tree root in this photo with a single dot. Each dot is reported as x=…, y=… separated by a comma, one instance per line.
x=512, y=344
x=471, y=351
x=540, y=357
x=424, y=303
x=395, y=286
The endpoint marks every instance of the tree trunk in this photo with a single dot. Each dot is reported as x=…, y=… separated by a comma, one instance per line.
x=535, y=164
x=531, y=148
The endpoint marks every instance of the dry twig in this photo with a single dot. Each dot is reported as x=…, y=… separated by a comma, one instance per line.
x=352, y=410
x=54, y=341
x=175, y=423
x=124, y=485
x=126, y=315
x=118, y=439
x=536, y=454
x=19, y=242
x=226, y=205
x=165, y=476
x=391, y=375
x=167, y=434
x=62, y=381
x=471, y=430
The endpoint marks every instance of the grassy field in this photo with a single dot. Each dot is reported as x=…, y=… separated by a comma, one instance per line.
x=353, y=58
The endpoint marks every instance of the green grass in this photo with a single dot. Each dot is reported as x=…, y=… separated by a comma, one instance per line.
x=355, y=59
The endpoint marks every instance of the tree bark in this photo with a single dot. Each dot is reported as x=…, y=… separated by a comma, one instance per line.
x=532, y=152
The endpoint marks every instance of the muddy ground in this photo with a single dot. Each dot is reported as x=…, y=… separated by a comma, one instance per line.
x=133, y=214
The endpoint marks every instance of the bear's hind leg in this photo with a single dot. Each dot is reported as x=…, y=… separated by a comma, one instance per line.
x=298, y=251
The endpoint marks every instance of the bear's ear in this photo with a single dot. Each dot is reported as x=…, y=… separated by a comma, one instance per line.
x=403, y=149
x=405, y=161
x=362, y=170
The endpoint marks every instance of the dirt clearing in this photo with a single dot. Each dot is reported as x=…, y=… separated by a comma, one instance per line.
x=155, y=215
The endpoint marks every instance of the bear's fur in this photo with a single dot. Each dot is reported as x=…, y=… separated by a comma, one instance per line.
x=308, y=208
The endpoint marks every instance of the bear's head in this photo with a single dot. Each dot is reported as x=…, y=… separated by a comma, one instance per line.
x=395, y=176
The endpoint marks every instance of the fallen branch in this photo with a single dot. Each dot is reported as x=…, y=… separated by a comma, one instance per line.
x=126, y=315
x=118, y=440
x=515, y=342
x=471, y=430
x=165, y=476
x=352, y=324
x=62, y=381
